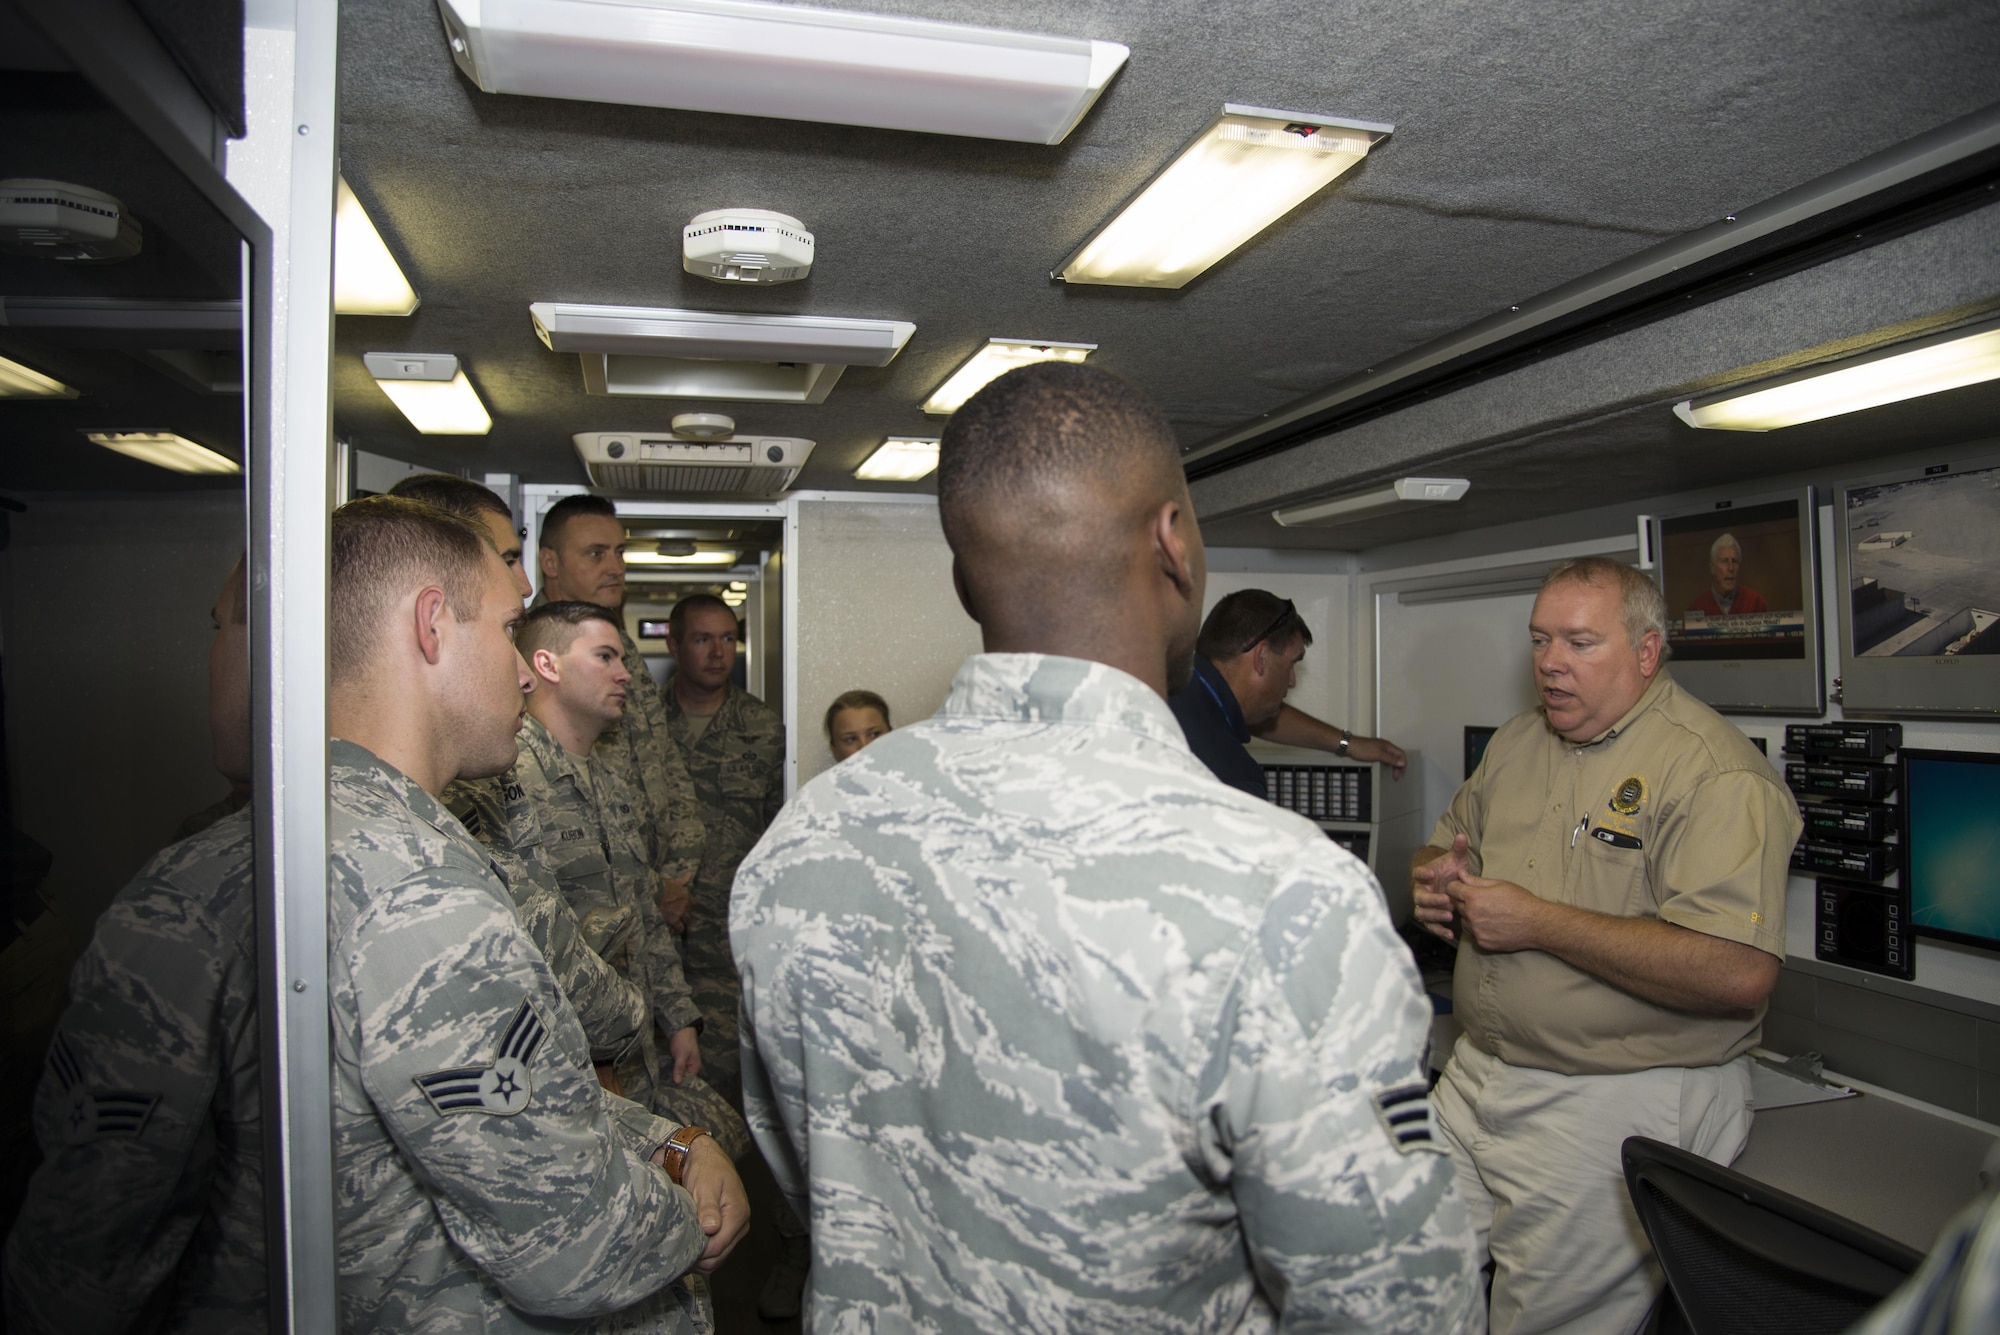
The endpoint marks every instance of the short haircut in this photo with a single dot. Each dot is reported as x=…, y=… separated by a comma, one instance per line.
x=1641, y=605
x=447, y=491
x=677, y=618
x=1246, y=618
x=856, y=700
x=1051, y=421
x=554, y=626
x=1726, y=540
x=572, y=507
x=383, y=548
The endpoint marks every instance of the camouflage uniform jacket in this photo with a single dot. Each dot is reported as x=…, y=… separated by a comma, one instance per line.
x=738, y=768
x=147, y=1112
x=500, y=815
x=652, y=766
x=1063, y=1034
x=483, y=1180
x=590, y=821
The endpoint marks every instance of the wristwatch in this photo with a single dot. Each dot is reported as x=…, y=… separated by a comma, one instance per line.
x=677, y=1147
x=1345, y=738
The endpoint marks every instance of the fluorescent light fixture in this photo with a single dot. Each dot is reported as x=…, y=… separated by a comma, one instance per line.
x=790, y=61
x=1901, y=371
x=999, y=356
x=900, y=459
x=1372, y=504
x=1248, y=169
x=21, y=382
x=643, y=558
x=164, y=449
x=660, y=353
x=738, y=586
x=432, y=392
x=366, y=278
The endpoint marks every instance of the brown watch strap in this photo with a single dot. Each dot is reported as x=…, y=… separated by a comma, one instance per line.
x=677, y=1147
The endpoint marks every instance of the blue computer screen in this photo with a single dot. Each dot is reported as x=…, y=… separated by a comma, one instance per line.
x=1951, y=844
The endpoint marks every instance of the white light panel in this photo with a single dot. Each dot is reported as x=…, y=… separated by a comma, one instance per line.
x=999, y=356
x=366, y=277
x=164, y=449
x=900, y=459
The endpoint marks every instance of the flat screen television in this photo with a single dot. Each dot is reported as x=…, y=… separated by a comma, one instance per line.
x=1951, y=844
x=1918, y=555
x=1741, y=579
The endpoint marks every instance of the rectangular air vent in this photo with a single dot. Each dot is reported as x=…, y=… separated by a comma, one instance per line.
x=632, y=461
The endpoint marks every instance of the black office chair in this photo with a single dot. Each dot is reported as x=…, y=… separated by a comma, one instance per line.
x=1743, y=1259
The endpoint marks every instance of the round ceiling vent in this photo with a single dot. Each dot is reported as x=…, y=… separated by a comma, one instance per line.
x=704, y=426
x=747, y=246
x=59, y=221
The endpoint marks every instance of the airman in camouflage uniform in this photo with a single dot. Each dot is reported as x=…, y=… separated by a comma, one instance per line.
x=676, y=835
x=591, y=836
x=1081, y=1038
x=147, y=1113
x=485, y=1180
x=737, y=763
x=612, y=1010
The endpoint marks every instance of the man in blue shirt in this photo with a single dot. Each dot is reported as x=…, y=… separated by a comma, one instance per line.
x=1245, y=663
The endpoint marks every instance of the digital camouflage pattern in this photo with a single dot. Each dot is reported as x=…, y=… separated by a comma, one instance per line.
x=499, y=814
x=483, y=1179
x=1063, y=1034
x=595, y=849
x=738, y=768
x=147, y=1112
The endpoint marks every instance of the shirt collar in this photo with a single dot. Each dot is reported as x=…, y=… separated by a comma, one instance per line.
x=1209, y=679
x=1045, y=688
x=374, y=770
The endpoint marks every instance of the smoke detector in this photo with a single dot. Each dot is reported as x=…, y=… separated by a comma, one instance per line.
x=704, y=426
x=747, y=246
x=60, y=221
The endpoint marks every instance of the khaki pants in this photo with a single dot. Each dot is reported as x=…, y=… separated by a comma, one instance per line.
x=1538, y=1165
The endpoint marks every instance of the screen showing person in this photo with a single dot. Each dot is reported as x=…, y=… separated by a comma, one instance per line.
x=1734, y=583
x=1924, y=566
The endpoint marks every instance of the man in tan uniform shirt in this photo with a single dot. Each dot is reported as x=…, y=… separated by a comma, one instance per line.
x=1614, y=873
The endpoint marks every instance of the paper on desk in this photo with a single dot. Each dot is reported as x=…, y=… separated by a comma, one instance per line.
x=1773, y=1088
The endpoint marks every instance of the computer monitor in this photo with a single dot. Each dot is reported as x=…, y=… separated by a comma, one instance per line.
x=1740, y=573
x=1920, y=579
x=1476, y=738
x=1951, y=844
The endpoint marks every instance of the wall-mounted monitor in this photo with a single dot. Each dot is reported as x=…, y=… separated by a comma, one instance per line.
x=1918, y=554
x=1741, y=579
x=1951, y=844
x=1476, y=738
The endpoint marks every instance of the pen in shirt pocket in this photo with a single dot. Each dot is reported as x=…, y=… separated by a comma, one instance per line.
x=1581, y=826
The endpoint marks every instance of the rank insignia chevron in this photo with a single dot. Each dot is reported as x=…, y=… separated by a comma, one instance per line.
x=501, y=1086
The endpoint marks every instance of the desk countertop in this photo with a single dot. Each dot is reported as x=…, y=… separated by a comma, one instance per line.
x=1894, y=1168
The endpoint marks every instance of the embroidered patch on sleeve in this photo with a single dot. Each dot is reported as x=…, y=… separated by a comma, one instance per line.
x=1405, y=1113
x=501, y=1086
x=92, y=1113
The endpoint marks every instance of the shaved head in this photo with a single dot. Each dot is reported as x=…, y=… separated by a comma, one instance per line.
x=1060, y=489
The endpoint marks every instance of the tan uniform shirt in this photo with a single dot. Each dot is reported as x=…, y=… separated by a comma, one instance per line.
x=1671, y=814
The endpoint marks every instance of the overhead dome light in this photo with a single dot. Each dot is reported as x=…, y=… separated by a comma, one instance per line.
x=999, y=356
x=164, y=449
x=901, y=459
x=747, y=246
x=1247, y=169
x=431, y=391
x=1888, y=375
x=1373, y=504
x=696, y=558
x=366, y=278
x=794, y=62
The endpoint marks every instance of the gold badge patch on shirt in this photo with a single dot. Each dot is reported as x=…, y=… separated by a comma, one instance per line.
x=1630, y=796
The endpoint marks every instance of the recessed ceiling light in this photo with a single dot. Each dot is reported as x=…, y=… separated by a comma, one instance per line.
x=1371, y=504
x=164, y=449
x=900, y=459
x=644, y=558
x=1248, y=169
x=366, y=277
x=21, y=382
x=999, y=356
x=789, y=61
x=431, y=391
x=1889, y=375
